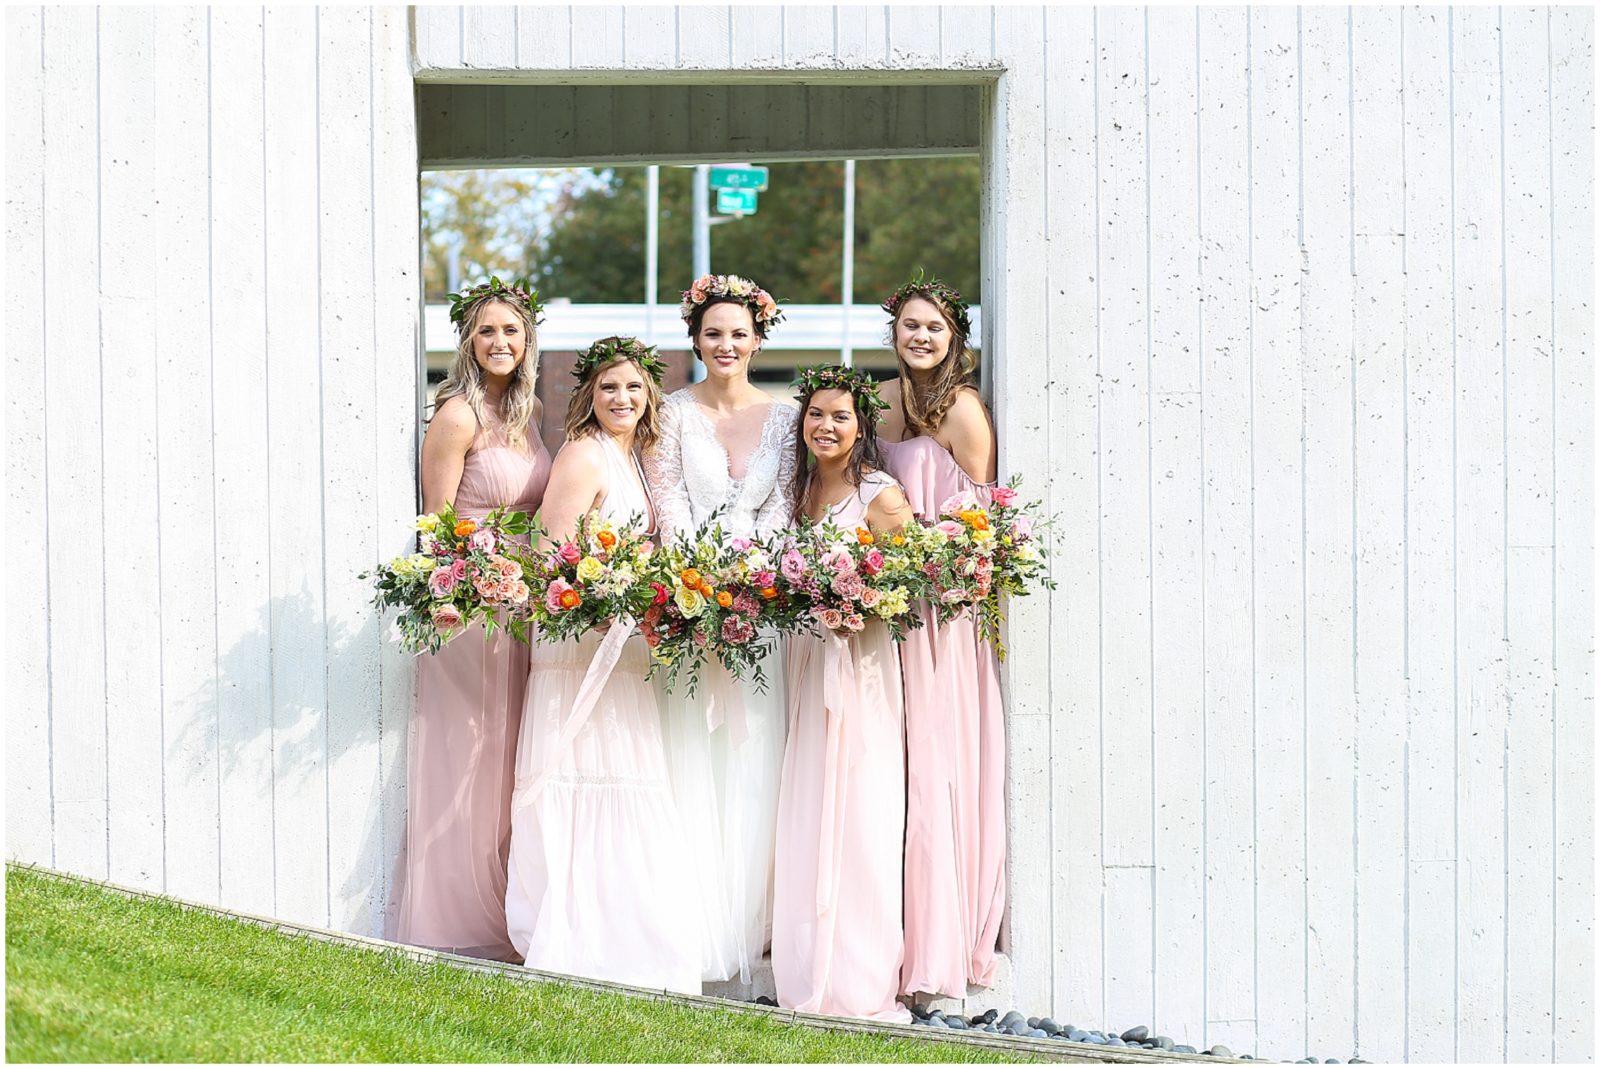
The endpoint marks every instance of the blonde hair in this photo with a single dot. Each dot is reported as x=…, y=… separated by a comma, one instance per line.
x=925, y=407
x=465, y=377
x=581, y=419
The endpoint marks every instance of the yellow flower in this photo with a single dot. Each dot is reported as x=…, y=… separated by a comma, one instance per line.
x=590, y=569
x=690, y=602
x=428, y=523
x=982, y=537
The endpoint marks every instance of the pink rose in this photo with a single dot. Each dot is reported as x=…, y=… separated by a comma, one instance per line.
x=854, y=622
x=446, y=618
x=698, y=289
x=570, y=553
x=459, y=569
x=839, y=561
x=830, y=618
x=442, y=583
x=769, y=307
x=764, y=579
x=872, y=562
x=646, y=548
x=519, y=592
x=482, y=539
x=948, y=528
x=1021, y=528
x=957, y=502
x=953, y=596
x=1004, y=496
x=509, y=569
x=870, y=597
x=742, y=545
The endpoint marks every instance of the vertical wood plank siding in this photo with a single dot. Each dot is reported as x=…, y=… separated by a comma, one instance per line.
x=1289, y=315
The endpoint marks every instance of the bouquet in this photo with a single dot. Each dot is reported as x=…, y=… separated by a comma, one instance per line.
x=591, y=579
x=465, y=571
x=710, y=596
x=972, y=555
x=844, y=578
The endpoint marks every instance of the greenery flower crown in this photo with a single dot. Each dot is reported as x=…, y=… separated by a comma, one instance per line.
x=520, y=291
x=933, y=287
x=837, y=377
x=763, y=307
x=607, y=350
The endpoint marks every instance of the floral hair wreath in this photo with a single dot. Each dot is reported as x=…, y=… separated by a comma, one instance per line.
x=607, y=350
x=837, y=377
x=933, y=287
x=763, y=307
x=520, y=291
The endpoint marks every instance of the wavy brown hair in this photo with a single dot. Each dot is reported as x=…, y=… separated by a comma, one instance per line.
x=864, y=455
x=926, y=406
x=466, y=376
x=581, y=419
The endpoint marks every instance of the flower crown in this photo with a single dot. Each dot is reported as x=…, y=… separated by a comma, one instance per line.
x=520, y=291
x=763, y=308
x=607, y=350
x=934, y=288
x=837, y=377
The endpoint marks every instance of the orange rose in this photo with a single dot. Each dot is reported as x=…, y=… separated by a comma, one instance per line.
x=769, y=592
x=724, y=599
x=864, y=536
x=977, y=519
x=606, y=539
x=690, y=578
x=570, y=599
x=705, y=588
x=465, y=527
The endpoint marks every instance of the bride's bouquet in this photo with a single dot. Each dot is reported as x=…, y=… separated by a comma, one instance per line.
x=465, y=571
x=591, y=579
x=714, y=597
x=975, y=554
x=842, y=579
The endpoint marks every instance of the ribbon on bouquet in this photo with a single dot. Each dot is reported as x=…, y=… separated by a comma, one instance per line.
x=725, y=704
x=839, y=751
x=594, y=682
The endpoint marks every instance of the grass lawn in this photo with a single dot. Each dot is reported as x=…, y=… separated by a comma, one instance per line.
x=95, y=976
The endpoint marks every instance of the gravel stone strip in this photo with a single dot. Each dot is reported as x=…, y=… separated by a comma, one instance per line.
x=1122, y=1043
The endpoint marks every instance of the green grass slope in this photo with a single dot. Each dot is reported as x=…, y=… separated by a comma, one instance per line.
x=92, y=975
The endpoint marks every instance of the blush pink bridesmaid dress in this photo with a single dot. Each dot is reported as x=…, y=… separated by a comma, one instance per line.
x=841, y=803
x=463, y=746
x=955, y=849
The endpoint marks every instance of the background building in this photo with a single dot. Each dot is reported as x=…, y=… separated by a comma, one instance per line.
x=1287, y=317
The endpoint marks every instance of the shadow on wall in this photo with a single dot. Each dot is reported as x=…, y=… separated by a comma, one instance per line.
x=307, y=727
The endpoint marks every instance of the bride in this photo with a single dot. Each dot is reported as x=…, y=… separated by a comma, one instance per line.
x=726, y=451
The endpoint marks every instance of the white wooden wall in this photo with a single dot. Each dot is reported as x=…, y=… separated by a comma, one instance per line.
x=212, y=309
x=1291, y=316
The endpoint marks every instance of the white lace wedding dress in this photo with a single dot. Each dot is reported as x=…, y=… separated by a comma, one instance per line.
x=727, y=794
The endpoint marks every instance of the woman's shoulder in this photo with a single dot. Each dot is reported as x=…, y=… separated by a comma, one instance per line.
x=875, y=480
x=454, y=422
x=582, y=453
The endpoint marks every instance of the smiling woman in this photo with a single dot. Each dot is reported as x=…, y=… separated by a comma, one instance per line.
x=476, y=456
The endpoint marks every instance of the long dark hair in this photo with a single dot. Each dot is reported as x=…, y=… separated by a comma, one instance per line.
x=864, y=455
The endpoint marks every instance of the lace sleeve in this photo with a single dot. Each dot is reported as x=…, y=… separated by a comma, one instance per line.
x=777, y=511
x=663, y=472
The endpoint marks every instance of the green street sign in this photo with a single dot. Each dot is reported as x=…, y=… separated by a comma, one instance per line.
x=754, y=178
x=736, y=201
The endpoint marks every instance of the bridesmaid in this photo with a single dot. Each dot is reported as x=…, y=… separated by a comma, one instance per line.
x=482, y=451
x=836, y=941
x=599, y=883
x=938, y=441
x=727, y=448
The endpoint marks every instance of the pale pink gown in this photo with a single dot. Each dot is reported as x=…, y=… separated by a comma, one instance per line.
x=463, y=745
x=955, y=850
x=600, y=883
x=841, y=804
